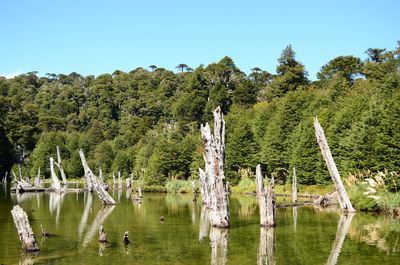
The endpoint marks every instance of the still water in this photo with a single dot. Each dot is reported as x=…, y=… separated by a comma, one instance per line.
x=304, y=235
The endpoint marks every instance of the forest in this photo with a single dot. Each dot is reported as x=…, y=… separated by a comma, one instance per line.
x=146, y=122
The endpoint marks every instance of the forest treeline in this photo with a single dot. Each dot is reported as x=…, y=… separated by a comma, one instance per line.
x=146, y=122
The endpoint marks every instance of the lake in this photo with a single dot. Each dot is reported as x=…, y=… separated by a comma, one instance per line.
x=303, y=235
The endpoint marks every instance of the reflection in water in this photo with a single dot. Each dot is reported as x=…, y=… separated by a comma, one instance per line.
x=101, y=216
x=219, y=245
x=119, y=195
x=266, y=248
x=88, y=206
x=204, y=223
x=294, y=218
x=21, y=197
x=55, y=202
x=247, y=206
x=342, y=229
x=102, y=247
x=28, y=258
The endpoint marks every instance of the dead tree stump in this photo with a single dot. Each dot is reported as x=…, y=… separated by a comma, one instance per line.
x=214, y=157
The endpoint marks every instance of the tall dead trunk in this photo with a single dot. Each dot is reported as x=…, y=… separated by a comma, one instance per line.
x=60, y=167
x=25, y=232
x=214, y=157
x=294, y=185
x=95, y=183
x=343, y=199
x=55, y=182
x=86, y=169
x=261, y=196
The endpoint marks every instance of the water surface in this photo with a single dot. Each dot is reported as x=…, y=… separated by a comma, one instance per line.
x=304, y=235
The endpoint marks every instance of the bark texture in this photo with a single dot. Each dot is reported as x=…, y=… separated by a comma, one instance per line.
x=25, y=232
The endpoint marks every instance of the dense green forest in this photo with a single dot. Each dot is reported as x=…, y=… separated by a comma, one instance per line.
x=146, y=122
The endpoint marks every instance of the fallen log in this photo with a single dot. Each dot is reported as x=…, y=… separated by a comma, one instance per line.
x=25, y=232
x=343, y=199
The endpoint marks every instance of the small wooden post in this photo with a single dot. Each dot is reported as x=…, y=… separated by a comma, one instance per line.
x=214, y=158
x=25, y=232
x=343, y=199
x=294, y=185
x=261, y=196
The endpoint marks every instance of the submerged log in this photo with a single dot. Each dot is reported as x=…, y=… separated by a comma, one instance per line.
x=294, y=185
x=95, y=184
x=25, y=232
x=214, y=157
x=261, y=196
x=45, y=233
x=343, y=199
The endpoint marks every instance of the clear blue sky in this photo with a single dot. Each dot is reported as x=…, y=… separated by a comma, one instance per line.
x=94, y=37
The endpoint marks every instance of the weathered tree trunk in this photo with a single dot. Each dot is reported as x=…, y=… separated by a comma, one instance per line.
x=55, y=182
x=270, y=221
x=5, y=178
x=114, y=184
x=294, y=185
x=60, y=167
x=343, y=199
x=24, y=229
x=97, y=186
x=86, y=169
x=214, y=157
x=38, y=181
x=342, y=229
x=204, y=188
x=219, y=245
x=261, y=196
x=21, y=184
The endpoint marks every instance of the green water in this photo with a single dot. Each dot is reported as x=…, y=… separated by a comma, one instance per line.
x=303, y=235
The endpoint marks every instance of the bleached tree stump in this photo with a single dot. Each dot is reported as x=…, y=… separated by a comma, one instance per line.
x=343, y=199
x=294, y=185
x=266, y=200
x=214, y=157
x=25, y=232
x=261, y=196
